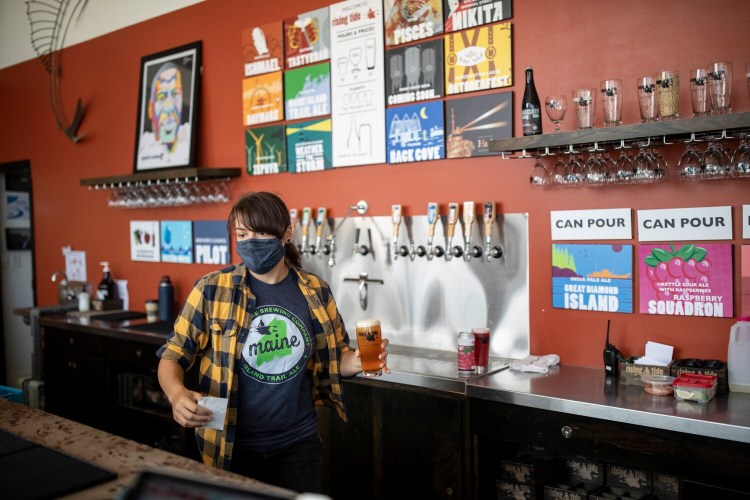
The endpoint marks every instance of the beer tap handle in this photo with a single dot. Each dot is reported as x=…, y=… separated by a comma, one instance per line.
x=489, y=220
x=468, y=223
x=306, y=216
x=293, y=217
x=452, y=221
x=432, y=217
x=396, y=220
x=320, y=222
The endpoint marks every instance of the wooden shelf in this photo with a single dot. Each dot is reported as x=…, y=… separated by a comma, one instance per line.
x=681, y=127
x=182, y=174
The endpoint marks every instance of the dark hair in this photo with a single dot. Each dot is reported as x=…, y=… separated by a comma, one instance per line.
x=264, y=212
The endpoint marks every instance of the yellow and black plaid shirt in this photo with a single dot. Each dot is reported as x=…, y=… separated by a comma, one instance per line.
x=214, y=324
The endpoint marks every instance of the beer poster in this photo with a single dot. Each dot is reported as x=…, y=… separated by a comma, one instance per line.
x=309, y=145
x=478, y=59
x=745, y=280
x=177, y=241
x=411, y=20
x=414, y=73
x=686, y=279
x=463, y=14
x=593, y=277
x=307, y=91
x=211, y=242
x=262, y=99
x=415, y=132
x=307, y=38
x=145, y=244
x=472, y=122
x=265, y=150
x=357, y=83
x=262, y=49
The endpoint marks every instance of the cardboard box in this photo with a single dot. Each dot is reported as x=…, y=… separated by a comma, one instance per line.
x=630, y=373
x=566, y=492
x=630, y=478
x=667, y=486
x=533, y=471
x=581, y=470
x=106, y=305
x=507, y=490
x=610, y=493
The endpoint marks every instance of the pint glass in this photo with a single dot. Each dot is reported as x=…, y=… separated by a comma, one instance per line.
x=369, y=339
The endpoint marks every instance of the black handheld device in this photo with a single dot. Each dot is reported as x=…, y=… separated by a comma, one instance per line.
x=611, y=355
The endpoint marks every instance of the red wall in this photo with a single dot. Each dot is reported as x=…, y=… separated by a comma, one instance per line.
x=569, y=43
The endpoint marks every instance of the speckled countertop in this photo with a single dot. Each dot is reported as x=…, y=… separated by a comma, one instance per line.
x=113, y=453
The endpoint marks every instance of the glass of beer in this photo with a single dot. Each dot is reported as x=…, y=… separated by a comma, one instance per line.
x=369, y=338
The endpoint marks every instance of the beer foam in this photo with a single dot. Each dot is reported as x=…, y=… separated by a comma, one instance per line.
x=480, y=330
x=364, y=323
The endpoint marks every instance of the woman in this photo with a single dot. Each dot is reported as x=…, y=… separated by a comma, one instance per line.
x=272, y=341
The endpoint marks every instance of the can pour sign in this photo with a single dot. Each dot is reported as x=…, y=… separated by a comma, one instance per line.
x=686, y=279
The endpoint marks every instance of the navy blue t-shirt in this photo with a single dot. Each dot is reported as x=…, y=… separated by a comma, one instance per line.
x=276, y=405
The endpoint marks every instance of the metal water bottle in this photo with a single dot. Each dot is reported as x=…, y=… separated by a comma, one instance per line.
x=166, y=299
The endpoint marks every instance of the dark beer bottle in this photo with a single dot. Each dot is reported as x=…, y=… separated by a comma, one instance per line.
x=531, y=111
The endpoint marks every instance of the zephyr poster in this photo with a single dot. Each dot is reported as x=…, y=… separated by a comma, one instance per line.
x=262, y=99
x=473, y=122
x=265, y=150
x=478, y=59
x=463, y=14
x=414, y=73
x=307, y=38
x=411, y=20
x=686, y=279
x=309, y=145
x=262, y=49
x=357, y=83
x=307, y=91
x=593, y=277
x=416, y=133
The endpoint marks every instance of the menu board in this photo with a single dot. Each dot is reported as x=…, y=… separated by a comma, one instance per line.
x=307, y=38
x=478, y=59
x=463, y=14
x=414, y=73
x=262, y=49
x=411, y=20
x=473, y=122
x=265, y=150
x=416, y=132
x=262, y=99
x=309, y=145
x=357, y=83
x=144, y=240
x=307, y=91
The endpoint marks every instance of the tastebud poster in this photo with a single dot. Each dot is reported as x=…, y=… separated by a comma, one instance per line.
x=211, y=242
x=265, y=150
x=414, y=73
x=463, y=14
x=473, y=122
x=262, y=49
x=411, y=20
x=307, y=38
x=416, y=132
x=307, y=91
x=309, y=145
x=593, y=277
x=478, y=59
x=145, y=244
x=262, y=99
x=177, y=241
x=686, y=279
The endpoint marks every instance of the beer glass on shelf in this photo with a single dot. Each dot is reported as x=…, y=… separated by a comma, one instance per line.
x=668, y=94
x=369, y=340
x=611, y=101
x=623, y=171
x=647, y=99
x=559, y=172
x=699, y=92
x=583, y=99
x=644, y=170
x=556, y=106
x=720, y=83
x=714, y=161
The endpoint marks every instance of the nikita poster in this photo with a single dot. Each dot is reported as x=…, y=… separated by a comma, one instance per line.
x=262, y=99
x=307, y=38
x=593, y=277
x=211, y=242
x=262, y=49
x=463, y=14
x=411, y=20
x=472, y=122
x=478, y=59
x=177, y=241
x=414, y=73
x=307, y=91
x=357, y=83
x=309, y=145
x=686, y=279
x=416, y=132
x=265, y=150
x=144, y=240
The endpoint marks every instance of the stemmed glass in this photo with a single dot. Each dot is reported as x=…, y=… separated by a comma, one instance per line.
x=559, y=172
x=623, y=167
x=643, y=166
x=689, y=167
x=714, y=161
x=740, y=163
x=574, y=173
x=539, y=176
x=556, y=106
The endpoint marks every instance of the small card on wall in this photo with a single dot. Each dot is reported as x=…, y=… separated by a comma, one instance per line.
x=262, y=49
x=177, y=241
x=145, y=244
x=745, y=293
x=262, y=99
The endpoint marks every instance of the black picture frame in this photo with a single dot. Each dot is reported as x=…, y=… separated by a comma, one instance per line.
x=166, y=130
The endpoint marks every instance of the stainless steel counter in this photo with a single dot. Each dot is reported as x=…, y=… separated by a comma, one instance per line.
x=587, y=392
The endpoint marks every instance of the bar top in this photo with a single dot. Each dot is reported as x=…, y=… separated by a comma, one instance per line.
x=588, y=392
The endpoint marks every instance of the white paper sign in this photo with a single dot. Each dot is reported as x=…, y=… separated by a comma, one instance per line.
x=75, y=265
x=685, y=224
x=746, y=222
x=611, y=224
x=145, y=244
x=219, y=408
x=357, y=83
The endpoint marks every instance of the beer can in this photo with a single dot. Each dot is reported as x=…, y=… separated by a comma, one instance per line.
x=465, y=352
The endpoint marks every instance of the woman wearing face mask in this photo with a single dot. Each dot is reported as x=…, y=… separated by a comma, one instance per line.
x=271, y=340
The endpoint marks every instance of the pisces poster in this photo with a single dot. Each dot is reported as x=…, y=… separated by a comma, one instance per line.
x=145, y=244
x=416, y=132
x=307, y=91
x=686, y=279
x=307, y=38
x=262, y=99
x=463, y=14
x=414, y=73
x=211, y=242
x=357, y=83
x=593, y=277
x=309, y=145
x=478, y=59
x=411, y=20
x=177, y=241
x=262, y=49
x=472, y=122
x=265, y=150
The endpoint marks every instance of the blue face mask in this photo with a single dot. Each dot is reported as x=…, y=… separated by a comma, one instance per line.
x=260, y=255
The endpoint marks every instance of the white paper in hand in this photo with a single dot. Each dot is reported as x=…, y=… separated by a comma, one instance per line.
x=219, y=407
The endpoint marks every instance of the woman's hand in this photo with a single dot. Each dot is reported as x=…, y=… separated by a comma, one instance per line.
x=383, y=356
x=187, y=412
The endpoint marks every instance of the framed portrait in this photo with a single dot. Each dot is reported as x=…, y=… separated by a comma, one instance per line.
x=166, y=131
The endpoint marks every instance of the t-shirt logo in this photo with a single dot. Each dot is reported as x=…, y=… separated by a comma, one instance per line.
x=277, y=347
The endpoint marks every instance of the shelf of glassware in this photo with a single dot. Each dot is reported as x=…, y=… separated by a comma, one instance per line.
x=176, y=175
x=667, y=128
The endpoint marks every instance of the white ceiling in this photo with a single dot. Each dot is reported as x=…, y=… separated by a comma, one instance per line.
x=99, y=18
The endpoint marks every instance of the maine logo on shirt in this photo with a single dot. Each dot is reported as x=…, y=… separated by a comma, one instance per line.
x=277, y=347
